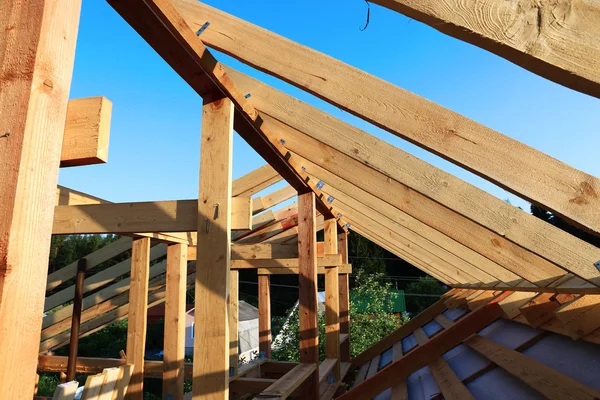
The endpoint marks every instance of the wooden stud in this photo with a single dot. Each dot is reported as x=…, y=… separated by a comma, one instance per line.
x=157, y=216
x=76, y=319
x=307, y=253
x=344, y=298
x=264, y=316
x=37, y=47
x=136, y=324
x=234, y=299
x=211, y=341
x=175, y=316
x=546, y=380
x=332, y=297
x=87, y=130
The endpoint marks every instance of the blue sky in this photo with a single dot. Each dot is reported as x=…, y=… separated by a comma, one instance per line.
x=155, y=130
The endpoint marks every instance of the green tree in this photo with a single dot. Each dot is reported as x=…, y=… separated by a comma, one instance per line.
x=365, y=255
x=368, y=324
x=422, y=294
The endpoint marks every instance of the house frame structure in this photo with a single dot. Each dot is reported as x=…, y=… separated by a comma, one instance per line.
x=501, y=262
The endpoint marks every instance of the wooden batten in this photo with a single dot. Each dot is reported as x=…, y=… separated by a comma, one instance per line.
x=264, y=316
x=87, y=131
x=255, y=181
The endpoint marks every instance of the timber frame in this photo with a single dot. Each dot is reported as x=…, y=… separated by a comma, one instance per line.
x=501, y=263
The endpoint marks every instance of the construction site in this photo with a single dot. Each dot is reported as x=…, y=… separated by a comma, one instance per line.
x=520, y=319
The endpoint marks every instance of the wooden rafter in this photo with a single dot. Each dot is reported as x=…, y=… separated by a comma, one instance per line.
x=565, y=190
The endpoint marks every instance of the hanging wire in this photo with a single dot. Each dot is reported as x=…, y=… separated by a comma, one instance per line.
x=368, y=16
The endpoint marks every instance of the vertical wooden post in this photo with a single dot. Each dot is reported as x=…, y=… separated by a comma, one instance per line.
x=344, y=298
x=211, y=341
x=138, y=308
x=332, y=296
x=307, y=276
x=37, y=49
x=174, y=335
x=76, y=319
x=264, y=315
x=234, y=300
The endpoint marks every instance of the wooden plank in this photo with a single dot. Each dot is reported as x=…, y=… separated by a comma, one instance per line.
x=87, y=131
x=421, y=336
x=546, y=39
x=580, y=316
x=260, y=251
x=175, y=318
x=374, y=366
x=157, y=216
x=329, y=260
x=549, y=382
x=136, y=324
x=399, y=389
x=234, y=299
x=423, y=355
x=399, y=334
x=37, y=43
x=468, y=144
x=362, y=372
x=307, y=253
x=332, y=297
x=255, y=181
x=92, y=387
x=264, y=316
x=123, y=381
x=250, y=385
x=101, y=278
x=65, y=391
x=111, y=376
x=286, y=385
x=444, y=321
x=511, y=304
x=344, y=298
x=343, y=268
x=273, y=199
x=452, y=388
x=211, y=341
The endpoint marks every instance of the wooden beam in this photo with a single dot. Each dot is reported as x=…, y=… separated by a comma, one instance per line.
x=546, y=380
x=566, y=191
x=136, y=324
x=425, y=354
x=344, y=298
x=332, y=298
x=255, y=181
x=342, y=268
x=157, y=216
x=271, y=200
x=87, y=131
x=288, y=383
x=329, y=260
x=451, y=387
x=264, y=316
x=263, y=251
x=234, y=300
x=407, y=172
x=307, y=253
x=175, y=316
x=546, y=39
x=37, y=47
x=580, y=316
x=211, y=341
x=534, y=289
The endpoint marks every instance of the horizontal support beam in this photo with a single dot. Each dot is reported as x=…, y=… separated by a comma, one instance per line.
x=255, y=181
x=342, y=269
x=263, y=251
x=331, y=260
x=87, y=131
x=158, y=216
x=535, y=289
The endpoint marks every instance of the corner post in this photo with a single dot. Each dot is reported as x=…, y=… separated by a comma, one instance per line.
x=174, y=335
x=138, y=309
x=332, y=297
x=307, y=275
x=211, y=339
x=264, y=315
x=37, y=48
x=344, y=298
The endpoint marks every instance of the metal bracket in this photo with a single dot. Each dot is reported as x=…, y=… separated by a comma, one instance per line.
x=348, y=225
x=247, y=95
x=202, y=28
x=339, y=215
x=320, y=185
x=330, y=199
x=282, y=141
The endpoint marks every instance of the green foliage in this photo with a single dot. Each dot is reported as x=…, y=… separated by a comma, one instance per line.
x=47, y=384
x=366, y=327
x=425, y=285
x=65, y=249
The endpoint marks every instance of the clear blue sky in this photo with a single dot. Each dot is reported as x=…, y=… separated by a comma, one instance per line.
x=154, y=144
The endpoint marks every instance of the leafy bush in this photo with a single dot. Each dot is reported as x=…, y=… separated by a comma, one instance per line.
x=367, y=326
